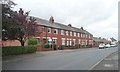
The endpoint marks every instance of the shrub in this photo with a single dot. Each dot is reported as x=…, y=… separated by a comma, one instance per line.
x=33, y=41
x=46, y=45
x=15, y=50
x=67, y=46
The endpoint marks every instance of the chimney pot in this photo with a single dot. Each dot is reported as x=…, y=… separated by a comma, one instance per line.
x=51, y=20
x=69, y=25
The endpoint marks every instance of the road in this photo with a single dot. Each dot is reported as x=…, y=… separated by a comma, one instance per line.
x=77, y=59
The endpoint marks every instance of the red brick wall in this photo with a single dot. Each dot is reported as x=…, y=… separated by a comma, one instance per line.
x=59, y=36
x=11, y=43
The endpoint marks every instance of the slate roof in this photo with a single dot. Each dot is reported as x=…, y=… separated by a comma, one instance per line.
x=100, y=40
x=44, y=22
x=113, y=39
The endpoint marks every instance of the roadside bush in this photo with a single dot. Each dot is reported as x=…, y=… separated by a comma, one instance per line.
x=16, y=50
x=46, y=45
x=67, y=46
x=33, y=41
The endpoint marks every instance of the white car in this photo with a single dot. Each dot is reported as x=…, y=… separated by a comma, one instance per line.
x=101, y=46
x=107, y=45
x=113, y=45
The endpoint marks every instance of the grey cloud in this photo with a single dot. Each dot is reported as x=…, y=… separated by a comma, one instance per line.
x=77, y=12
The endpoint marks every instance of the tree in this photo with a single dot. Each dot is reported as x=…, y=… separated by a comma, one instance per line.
x=17, y=25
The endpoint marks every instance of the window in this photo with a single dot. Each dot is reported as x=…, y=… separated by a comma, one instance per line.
x=74, y=42
x=78, y=34
x=86, y=42
x=43, y=29
x=55, y=41
x=70, y=42
x=89, y=36
x=83, y=35
x=67, y=43
x=67, y=33
x=86, y=35
x=70, y=33
x=55, y=31
x=49, y=30
x=63, y=41
x=90, y=42
x=62, y=32
x=79, y=41
x=74, y=33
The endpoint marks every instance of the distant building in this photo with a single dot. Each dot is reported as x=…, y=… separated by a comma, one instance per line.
x=113, y=41
x=97, y=41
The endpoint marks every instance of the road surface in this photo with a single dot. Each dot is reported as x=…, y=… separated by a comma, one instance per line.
x=75, y=59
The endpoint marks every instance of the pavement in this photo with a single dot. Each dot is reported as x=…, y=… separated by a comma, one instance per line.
x=108, y=63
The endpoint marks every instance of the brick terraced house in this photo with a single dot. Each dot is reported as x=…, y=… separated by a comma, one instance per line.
x=58, y=34
x=62, y=35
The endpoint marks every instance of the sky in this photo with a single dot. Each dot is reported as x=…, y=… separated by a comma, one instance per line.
x=99, y=17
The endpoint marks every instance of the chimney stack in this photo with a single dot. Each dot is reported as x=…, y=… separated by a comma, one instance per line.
x=51, y=20
x=69, y=25
x=82, y=28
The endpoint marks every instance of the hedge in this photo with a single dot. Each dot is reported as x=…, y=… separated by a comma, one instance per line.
x=33, y=41
x=46, y=45
x=16, y=50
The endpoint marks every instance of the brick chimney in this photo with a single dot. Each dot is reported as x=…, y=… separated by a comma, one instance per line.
x=51, y=20
x=21, y=11
x=69, y=25
x=82, y=28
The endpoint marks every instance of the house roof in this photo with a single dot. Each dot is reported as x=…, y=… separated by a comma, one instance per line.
x=44, y=22
x=113, y=39
x=100, y=40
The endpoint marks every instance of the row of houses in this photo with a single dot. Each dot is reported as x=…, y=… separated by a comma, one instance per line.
x=51, y=32
x=61, y=34
x=97, y=41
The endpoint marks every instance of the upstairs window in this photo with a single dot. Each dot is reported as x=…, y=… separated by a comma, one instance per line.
x=70, y=33
x=62, y=32
x=43, y=29
x=86, y=35
x=89, y=36
x=55, y=31
x=49, y=30
x=74, y=33
x=78, y=34
x=67, y=33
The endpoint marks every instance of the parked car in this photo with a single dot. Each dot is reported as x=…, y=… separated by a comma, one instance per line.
x=101, y=46
x=113, y=45
x=107, y=46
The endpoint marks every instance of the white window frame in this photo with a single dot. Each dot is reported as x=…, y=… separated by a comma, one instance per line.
x=70, y=42
x=78, y=34
x=79, y=41
x=67, y=33
x=74, y=33
x=43, y=28
x=62, y=32
x=89, y=36
x=56, y=31
x=74, y=40
x=49, y=29
x=70, y=33
x=63, y=41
